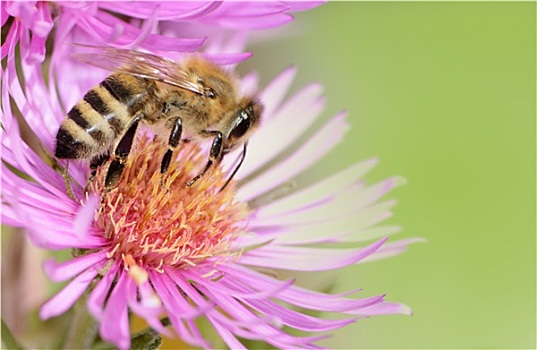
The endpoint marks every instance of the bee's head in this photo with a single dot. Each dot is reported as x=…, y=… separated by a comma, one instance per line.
x=242, y=123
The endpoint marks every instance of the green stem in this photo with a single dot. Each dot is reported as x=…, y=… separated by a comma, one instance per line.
x=83, y=329
x=8, y=339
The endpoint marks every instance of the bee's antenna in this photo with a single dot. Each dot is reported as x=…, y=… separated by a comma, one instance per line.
x=243, y=155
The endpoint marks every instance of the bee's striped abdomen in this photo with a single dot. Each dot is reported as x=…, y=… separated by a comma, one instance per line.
x=99, y=119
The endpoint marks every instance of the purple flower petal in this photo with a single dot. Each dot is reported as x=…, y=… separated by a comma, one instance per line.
x=265, y=22
x=180, y=311
x=149, y=306
x=231, y=341
x=307, y=259
x=12, y=37
x=231, y=287
x=273, y=94
x=227, y=58
x=306, y=155
x=333, y=210
x=302, y=297
x=368, y=234
x=3, y=13
x=85, y=216
x=251, y=9
x=385, y=309
x=164, y=10
x=252, y=326
x=174, y=300
x=45, y=217
x=341, y=229
x=63, y=271
x=34, y=16
x=308, y=102
x=394, y=248
x=295, y=319
x=108, y=29
x=62, y=301
x=305, y=5
x=316, y=194
x=189, y=291
x=114, y=326
x=255, y=15
x=98, y=296
x=264, y=306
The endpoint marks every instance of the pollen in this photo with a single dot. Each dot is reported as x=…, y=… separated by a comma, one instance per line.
x=153, y=221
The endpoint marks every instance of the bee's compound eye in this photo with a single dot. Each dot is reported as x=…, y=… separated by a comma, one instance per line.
x=242, y=125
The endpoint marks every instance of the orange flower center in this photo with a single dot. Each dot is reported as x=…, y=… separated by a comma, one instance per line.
x=153, y=221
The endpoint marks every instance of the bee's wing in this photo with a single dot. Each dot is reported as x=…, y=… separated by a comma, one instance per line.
x=140, y=64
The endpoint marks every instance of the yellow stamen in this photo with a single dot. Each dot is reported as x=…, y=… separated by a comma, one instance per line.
x=150, y=227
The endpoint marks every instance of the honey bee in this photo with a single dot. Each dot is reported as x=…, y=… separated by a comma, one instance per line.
x=194, y=99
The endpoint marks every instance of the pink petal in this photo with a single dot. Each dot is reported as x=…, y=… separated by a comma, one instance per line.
x=114, y=326
x=47, y=229
x=173, y=299
x=179, y=310
x=10, y=217
x=231, y=341
x=334, y=210
x=85, y=216
x=369, y=234
x=249, y=83
x=145, y=307
x=251, y=9
x=260, y=15
x=307, y=259
x=3, y=13
x=347, y=228
x=273, y=94
x=256, y=326
x=63, y=300
x=104, y=29
x=308, y=103
x=305, y=5
x=98, y=296
x=394, y=248
x=306, y=155
x=267, y=307
x=295, y=319
x=225, y=59
x=231, y=287
x=187, y=288
x=12, y=37
x=385, y=308
x=316, y=194
x=299, y=296
x=265, y=22
x=166, y=10
x=64, y=271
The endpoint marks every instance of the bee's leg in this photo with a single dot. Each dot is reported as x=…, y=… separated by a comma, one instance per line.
x=95, y=163
x=173, y=142
x=120, y=157
x=67, y=181
x=214, y=156
x=241, y=160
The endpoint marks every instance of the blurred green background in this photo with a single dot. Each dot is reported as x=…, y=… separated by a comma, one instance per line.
x=443, y=94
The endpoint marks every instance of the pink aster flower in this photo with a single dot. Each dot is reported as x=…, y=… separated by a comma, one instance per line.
x=193, y=252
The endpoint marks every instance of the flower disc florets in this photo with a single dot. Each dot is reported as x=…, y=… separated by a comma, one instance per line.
x=153, y=221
